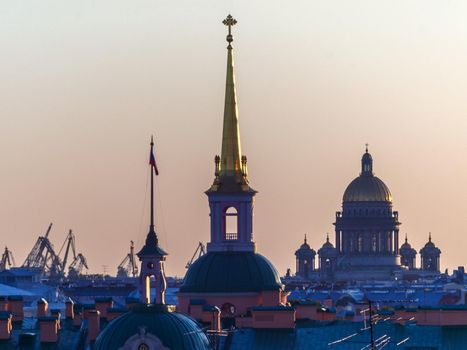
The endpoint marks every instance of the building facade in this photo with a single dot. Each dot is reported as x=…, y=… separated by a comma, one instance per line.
x=367, y=228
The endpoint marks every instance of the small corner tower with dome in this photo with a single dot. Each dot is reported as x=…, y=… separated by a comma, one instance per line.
x=305, y=258
x=430, y=255
x=327, y=260
x=231, y=275
x=367, y=228
x=408, y=255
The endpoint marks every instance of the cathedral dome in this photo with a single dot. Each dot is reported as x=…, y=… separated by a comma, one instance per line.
x=153, y=326
x=367, y=187
x=231, y=272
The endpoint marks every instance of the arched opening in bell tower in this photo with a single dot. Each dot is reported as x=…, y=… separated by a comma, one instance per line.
x=231, y=224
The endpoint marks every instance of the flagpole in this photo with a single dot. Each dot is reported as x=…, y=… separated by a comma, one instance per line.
x=151, y=228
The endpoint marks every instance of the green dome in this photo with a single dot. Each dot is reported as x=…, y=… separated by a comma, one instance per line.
x=174, y=330
x=367, y=189
x=237, y=272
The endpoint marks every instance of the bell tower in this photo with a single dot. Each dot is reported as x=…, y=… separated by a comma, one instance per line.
x=230, y=196
x=152, y=256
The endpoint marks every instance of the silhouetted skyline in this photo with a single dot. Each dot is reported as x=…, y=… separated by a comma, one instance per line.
x=84, y=85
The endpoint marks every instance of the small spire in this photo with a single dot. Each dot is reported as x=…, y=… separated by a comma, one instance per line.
x=327, y=237
x=304, y=241
x=429, y=237
x=366, y=147
x=406, y=237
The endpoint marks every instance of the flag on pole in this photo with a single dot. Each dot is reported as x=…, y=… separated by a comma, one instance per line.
x=152, y=161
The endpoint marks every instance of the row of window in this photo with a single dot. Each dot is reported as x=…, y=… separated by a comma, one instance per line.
x=368, y=212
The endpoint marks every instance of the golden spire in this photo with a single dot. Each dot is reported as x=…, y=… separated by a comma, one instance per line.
x=231, y=156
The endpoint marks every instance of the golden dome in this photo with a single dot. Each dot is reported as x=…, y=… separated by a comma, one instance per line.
x=367, y=187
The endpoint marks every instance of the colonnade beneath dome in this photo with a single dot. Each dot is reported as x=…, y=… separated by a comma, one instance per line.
x=367, y=242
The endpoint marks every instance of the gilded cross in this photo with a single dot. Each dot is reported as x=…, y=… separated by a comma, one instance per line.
x=229, y=22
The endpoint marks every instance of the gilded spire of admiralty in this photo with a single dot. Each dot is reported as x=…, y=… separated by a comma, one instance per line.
x=231, y=150
x=231, y=166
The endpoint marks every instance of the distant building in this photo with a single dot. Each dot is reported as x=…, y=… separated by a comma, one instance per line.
x=408, y=255
x=430, y=255
x=327, y=260
x=305, y=257
x=367, y=228
x=20, y=277
x=367, y=238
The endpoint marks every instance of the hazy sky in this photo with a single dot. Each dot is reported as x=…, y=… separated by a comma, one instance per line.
x=85, y=83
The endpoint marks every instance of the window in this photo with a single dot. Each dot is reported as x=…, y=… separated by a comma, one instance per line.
x=231, y=224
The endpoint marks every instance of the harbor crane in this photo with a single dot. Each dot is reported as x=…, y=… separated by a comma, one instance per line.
x=7, y=259
x=70, y=243
x=78, y=263
x=128, y=265
x=43, y=256
x=199, y=252
x=76, y=266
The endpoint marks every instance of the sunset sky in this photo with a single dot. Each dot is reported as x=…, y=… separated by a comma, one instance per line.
x=85, y=83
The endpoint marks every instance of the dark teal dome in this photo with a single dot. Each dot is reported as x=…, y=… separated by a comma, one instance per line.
x=237, y=272
x=145, y=322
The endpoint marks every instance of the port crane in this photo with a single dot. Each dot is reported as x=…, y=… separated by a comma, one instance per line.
x=128, y=265
x=7, y=259
x=199, y=252
x=70, y=243
x=76, y=266
x=43, y=256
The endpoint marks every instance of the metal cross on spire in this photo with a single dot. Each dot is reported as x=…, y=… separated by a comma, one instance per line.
x=229, y=22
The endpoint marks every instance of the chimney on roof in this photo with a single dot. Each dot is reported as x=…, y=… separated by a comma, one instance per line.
x=102, y=304
x=56, y=313
x=78, y=315
x=6, y=325
x=69, y=309
x=216, y=319
x=15, y=306
x=48, y=327
x=42, y=308
x=94, y=325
